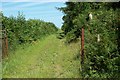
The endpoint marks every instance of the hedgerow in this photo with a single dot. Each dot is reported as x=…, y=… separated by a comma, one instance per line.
x=20, y=31
x=101, y=57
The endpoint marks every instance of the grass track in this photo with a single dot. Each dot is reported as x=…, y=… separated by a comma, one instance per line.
x=46, y=58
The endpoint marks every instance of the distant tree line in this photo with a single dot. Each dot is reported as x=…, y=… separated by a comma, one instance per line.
x=19, y=30
x=102, y=59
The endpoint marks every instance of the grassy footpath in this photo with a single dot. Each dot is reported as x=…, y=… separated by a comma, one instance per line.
x=46, y=58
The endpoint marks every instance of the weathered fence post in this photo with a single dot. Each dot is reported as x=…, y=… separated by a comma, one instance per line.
x=4, y=44
x=82, y=46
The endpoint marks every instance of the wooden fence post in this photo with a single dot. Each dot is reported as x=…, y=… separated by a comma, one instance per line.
x=4, y=44
x=82, y=46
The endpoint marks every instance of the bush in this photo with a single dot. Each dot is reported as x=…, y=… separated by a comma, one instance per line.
x=70, y=36
x=60, y=34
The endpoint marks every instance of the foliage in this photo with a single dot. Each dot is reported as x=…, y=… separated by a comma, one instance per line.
x=60, y=34
x=101, y=59
x=70, y=36
x=101, y=55
x=20, y=30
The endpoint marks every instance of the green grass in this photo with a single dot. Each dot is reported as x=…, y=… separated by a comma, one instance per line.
x=46, y=58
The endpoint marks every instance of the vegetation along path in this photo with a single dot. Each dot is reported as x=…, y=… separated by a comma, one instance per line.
x=48, y=57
